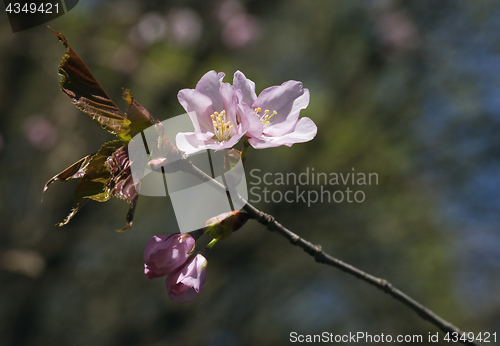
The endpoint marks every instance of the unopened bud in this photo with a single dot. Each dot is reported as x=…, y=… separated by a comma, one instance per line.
x=233, y=174
x=221, y=226
x=232, y=158
x=165, y=155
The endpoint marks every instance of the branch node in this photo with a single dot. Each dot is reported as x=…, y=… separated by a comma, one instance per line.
x=317, y=253
x=265, y=219
x=386, y=285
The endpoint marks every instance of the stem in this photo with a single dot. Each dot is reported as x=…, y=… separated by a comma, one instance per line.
x=244, y=149
x=211, y=244
x=322, y=257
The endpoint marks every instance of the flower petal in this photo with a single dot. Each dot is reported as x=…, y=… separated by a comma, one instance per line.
x=185, y=283
x=246, y=86
x=165, y=254
x=305, y=130
x=250, y=124
x=210, y=85
x=152, y=245
x=231, y=142
x=194, y=273
x=199, y=107
x=287, y=100
x=190, y=142
x=229, y=103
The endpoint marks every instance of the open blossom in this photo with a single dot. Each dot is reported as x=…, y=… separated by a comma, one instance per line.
x=277, y=110
x=164, y=254
x=187, y=281
x=212, y=108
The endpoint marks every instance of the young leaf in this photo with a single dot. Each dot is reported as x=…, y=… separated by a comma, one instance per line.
x=95, y=177
x=75, y=171
x=121, y=183
x=139, y=117
x=87, y=94
x=106, y=173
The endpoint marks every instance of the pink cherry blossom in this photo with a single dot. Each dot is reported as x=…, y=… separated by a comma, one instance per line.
x=212, y=108
x=164, y=254
x=187, y=281
x=277, y=109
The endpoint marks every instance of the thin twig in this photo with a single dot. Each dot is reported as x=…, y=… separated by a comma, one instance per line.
x=322, y=257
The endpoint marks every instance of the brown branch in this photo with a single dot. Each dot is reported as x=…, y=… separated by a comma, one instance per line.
x=322, y=257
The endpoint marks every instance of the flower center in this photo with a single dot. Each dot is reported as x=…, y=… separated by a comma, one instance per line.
x=222, y=129
x=264, y=118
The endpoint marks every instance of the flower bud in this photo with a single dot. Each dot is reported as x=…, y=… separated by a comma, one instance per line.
x=187, y=281
x=166, y=253
x=165, y=155
x=231, y=159
x=221, y=226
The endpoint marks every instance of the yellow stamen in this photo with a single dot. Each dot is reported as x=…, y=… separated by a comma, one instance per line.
x=274, y=112
x=264, y=118
x=221, y=127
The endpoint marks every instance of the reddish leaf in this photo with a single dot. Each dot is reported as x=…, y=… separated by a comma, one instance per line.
x=139, y=117
x=95, y=177
x=106, y=173
x=86, y=92
x=76, y=170
x=121, y=184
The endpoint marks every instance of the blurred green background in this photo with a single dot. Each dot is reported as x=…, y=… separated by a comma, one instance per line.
x=407, y=89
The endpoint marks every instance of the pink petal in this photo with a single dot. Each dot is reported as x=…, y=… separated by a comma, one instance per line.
x=229, y=99
x=304, y=131
x=164, y=254
x=186, y=282
x=199, y=107
x=231, y=142
x=194, y=274
x=246, y=86
x=250, y=124
x=152, y=245
x=190, y=142
x=210, y=85
x=287, y=100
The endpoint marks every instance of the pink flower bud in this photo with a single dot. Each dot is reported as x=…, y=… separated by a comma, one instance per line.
x=164, y=254
x=186, y=282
